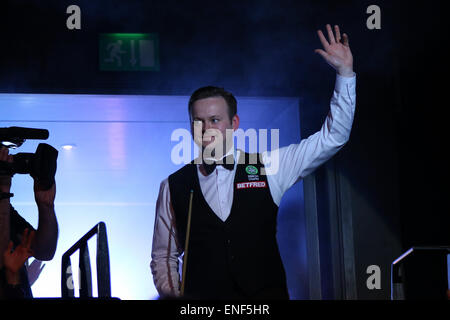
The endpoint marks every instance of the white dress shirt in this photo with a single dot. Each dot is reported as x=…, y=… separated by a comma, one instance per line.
x=295, y=162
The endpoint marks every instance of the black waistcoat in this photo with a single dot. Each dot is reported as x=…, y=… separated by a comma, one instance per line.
x=235, y=258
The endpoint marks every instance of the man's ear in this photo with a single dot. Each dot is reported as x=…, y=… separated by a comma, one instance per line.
x=235, y=122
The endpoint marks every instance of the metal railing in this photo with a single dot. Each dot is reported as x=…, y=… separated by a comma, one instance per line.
x=85, y=275
x=420, y=273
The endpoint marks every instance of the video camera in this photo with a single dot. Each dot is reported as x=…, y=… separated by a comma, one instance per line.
x=40, y=165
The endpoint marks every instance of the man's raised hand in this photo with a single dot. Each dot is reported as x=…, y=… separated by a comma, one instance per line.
x=13, y=260
x=336, y=51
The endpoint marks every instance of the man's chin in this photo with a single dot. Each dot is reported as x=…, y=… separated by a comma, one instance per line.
x=208, y=145
x=209, y=148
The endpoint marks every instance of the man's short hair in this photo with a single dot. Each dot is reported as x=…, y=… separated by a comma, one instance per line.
x=211, y=91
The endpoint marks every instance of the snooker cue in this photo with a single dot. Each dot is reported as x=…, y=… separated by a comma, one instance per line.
x=186, y=245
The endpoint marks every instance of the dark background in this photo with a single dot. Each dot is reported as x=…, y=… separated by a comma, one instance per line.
x=396, y=157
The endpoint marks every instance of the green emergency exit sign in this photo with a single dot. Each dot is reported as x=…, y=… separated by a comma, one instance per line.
x=128, y=52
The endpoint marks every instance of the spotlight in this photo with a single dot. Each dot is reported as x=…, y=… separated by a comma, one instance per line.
x=68, y=146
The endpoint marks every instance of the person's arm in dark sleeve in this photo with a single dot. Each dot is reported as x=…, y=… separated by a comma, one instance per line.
x=45, y=241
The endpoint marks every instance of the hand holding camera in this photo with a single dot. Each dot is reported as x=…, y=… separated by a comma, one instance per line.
x=41, y=165
x=5, y=179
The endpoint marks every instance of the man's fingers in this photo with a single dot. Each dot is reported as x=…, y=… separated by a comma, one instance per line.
x=10, y=247
x=3, y=154
x=322, y=53
x=30, y=239
x=330, y=34
x=27, y=237
x=345, y=40
x=24, y=237
x=324, y=41
x=338, y=33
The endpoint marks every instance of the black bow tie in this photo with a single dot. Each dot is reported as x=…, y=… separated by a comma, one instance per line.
x=228, y=163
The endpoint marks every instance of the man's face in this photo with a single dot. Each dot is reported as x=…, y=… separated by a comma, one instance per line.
x=210, y=115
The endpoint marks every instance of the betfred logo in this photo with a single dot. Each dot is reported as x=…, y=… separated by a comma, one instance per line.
x=253, y=184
